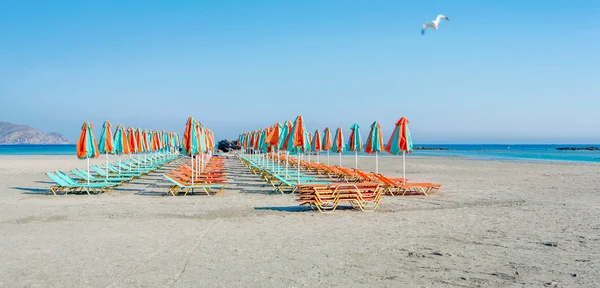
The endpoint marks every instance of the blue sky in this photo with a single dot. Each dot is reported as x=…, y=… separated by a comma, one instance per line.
x=498, y=72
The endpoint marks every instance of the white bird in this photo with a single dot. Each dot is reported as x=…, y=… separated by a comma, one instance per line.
x=433, y=24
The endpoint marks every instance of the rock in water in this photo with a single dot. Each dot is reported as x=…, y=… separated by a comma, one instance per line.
x=16, y=134
x=227, y=145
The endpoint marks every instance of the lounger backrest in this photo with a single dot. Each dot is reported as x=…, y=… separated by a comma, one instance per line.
x=57, y=179
x=385, y=179
x=78, y=173
x=173, y=181
x=65, y=177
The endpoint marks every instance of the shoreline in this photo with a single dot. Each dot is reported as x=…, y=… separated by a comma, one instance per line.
x=333, y=158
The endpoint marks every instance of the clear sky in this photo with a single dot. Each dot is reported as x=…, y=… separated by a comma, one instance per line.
x=510, y=71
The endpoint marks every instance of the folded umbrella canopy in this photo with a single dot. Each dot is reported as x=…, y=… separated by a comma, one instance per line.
x=86, y=146
x=106, y=142
x=400, y=143
x=338, y=143
x=326, y=146
x=375, y=143
x=355, y=142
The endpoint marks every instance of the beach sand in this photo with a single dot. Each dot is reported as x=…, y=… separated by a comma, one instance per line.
x=495, y=224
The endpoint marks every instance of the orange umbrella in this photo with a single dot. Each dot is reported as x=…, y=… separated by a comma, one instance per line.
x=86, y=146
x=326, y=142
x=106, y=145
x=316, y=143
x=338, y=143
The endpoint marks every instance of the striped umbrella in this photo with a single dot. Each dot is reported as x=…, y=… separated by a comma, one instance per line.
x=139, y=142
x=86, y=146
x=355, y=142
x=326, y=146
x=309, y=139
x=287, y=128
x=132, y=141
x=316, y=143
x=338, y=143
x=297, y=140
x=106, y=145
x=190, y=142
x=121, y=144
x=375, y=143
x=400, y=142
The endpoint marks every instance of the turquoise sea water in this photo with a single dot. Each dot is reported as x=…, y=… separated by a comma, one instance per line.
x=485, y=152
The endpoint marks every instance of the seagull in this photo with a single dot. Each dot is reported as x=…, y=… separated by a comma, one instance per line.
x=433, y=24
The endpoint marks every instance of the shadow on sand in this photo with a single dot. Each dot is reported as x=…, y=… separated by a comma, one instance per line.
x=36, y=191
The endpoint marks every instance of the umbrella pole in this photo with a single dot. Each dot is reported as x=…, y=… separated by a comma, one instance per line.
x=106, y=167
x=403, y=168
x=318, y=152
x=298, y=170
x=340, y=159
x=356, y=159
x=327, y=157
x=119, y=165
x=376, y=164
x=192, y=170
x=287, y=154
x=88, y=170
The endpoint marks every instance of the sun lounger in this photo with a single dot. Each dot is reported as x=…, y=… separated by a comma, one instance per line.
x=73, y=187
x=179, y=187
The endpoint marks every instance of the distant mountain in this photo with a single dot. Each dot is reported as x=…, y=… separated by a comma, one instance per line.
x=22, y=134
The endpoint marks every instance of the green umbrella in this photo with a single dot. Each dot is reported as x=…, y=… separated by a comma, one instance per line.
x=86, y=146
x=355, y=142
x=106, y=143
x=375, y=143
x=338, y=143
x=121, y=145
x=400, y=142
x=190, y=141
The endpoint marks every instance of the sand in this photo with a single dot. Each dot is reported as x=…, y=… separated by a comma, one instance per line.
x=495, y=224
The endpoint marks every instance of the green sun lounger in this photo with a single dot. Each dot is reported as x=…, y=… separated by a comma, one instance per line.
x=73, y=187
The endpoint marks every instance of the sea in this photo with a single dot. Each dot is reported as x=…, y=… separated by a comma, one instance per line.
x=514, y=152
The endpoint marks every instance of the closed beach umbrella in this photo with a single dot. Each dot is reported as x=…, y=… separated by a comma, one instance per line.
x=326, y=145
x=400, y=142
x=338, y=143
x=190, y=142
x=297, y=140
x=273, y=139
x=287, y=128
x=355, y=142
x=139, y=141
x=375, y=143
x=309, y=139
x=121, y=144
x=316, y=143
x=133, y=147
x=86, y=146
x=106, y=145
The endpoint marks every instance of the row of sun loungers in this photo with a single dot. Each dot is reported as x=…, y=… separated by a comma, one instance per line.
x=211, y=179
x=100, y=180
x=324, y=187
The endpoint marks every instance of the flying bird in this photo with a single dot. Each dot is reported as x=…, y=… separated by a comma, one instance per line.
x=433, y=24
